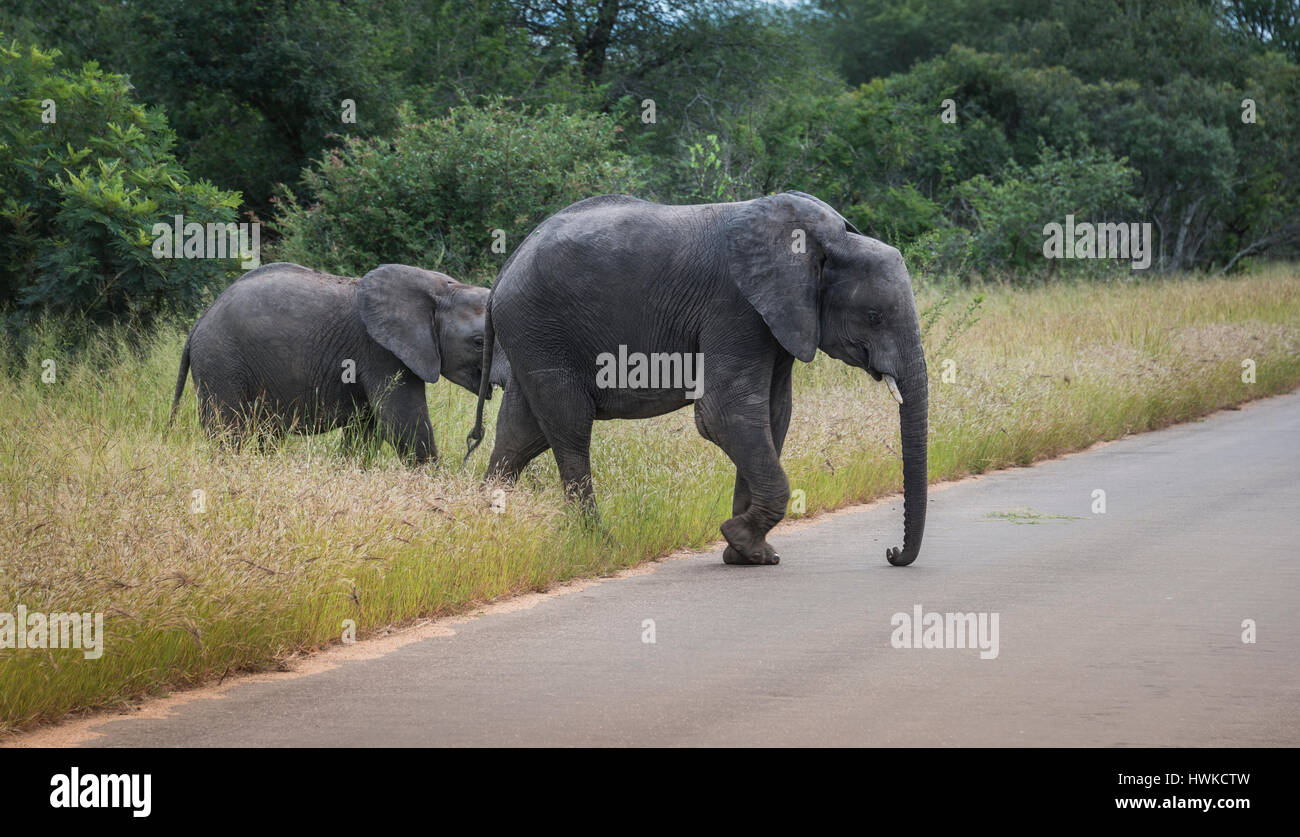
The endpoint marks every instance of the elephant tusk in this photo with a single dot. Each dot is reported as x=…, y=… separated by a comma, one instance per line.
x=893, y=388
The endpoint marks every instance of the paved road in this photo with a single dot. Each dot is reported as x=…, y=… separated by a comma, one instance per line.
x=1115, y=629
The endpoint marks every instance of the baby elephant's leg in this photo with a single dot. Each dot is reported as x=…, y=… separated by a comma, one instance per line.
x=402, y=417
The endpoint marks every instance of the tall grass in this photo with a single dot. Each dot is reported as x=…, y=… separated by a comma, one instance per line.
x=96, y=498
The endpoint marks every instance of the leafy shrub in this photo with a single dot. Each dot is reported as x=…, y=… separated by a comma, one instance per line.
x=940, y=254
x=1009, y=213
x=706, y=173
x=79, y=196
x=434, y=193
x=886, y=163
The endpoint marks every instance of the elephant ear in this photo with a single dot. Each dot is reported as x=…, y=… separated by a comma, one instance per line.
x=776, y=248
x=397, y=304
x=824, y=205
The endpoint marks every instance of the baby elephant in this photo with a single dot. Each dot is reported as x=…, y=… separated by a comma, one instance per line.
x=295, y=350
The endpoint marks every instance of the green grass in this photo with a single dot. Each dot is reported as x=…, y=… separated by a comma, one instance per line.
x=95, y=499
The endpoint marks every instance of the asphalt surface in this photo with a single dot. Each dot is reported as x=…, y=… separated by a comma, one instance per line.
x=1123, y=628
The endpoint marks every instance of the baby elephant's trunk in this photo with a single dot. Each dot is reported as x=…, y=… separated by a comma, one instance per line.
x=485, y=380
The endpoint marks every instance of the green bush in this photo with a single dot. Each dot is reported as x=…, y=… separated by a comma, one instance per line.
x=434, y=193
x=943, y=254
x=886, y=162
x=85, y=173
x=1009, y=213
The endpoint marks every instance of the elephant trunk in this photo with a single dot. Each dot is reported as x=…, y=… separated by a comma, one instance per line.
x=913, y=415
x=485, y=379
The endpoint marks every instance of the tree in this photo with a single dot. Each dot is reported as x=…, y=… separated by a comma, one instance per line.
x=455, y=194
x=1271, y=23
x=878, y=38
x=85, y=174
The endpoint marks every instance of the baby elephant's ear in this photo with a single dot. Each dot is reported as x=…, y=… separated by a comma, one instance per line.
x=397, y=304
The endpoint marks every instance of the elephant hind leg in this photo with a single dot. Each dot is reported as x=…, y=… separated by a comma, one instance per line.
x=572, y=447
x=519, y=438
x=565, y=416
x=575, y=473
x=222, y=416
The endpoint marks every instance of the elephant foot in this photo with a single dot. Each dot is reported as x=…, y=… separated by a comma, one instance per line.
x=767, y=557
x=744, y=549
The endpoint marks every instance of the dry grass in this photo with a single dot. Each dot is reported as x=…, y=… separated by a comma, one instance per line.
x=95, y=500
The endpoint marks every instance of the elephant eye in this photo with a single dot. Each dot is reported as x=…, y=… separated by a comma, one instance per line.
x=875, y=318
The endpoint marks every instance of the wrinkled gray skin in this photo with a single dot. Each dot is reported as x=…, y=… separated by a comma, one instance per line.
x=272, y=348
x=719, y=279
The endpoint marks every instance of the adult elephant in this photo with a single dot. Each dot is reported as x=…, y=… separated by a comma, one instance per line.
x=748, y=287
x=289, y=349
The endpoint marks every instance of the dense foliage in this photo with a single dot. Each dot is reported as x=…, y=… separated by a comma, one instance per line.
x=85, y=174
x=366, y=131
x=454, y=194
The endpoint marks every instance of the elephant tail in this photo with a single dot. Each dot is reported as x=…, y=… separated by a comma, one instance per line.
x=180, y=380
x=485, y=381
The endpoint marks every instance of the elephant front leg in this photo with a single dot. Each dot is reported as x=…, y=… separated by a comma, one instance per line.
x=740, y=498
x=746, y=533
x=359, y=435
x=519, y=438
x=779, y=421
x=402, y=416
x=762, y=489
x=780, y=409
